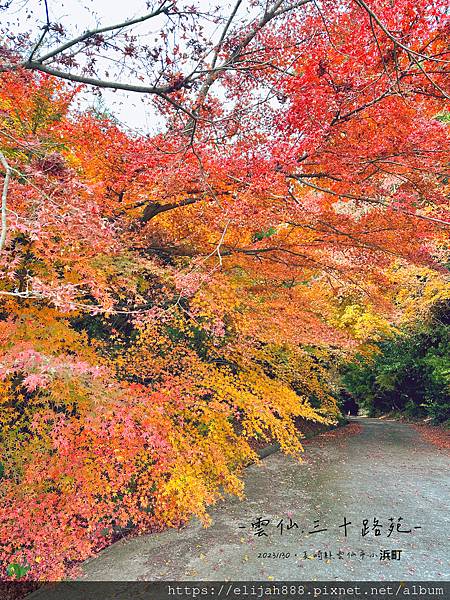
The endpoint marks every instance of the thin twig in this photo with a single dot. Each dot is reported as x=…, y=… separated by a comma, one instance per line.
x=369, y=200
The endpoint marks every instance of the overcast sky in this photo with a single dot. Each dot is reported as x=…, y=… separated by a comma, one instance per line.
x=134, y=110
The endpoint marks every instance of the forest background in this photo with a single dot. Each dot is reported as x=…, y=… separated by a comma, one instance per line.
x=278, y=240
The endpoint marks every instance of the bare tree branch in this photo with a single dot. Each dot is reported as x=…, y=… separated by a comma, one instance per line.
x=162, y=9
x=393, y=38
x=155, y=208
x=102, y=83
x=368, y=200
x=229, y=63
x=224, y=33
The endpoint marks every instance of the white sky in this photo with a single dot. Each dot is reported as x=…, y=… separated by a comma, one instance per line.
x=132, y=109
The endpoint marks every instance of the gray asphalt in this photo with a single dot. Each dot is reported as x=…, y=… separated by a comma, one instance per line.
x=385, y=472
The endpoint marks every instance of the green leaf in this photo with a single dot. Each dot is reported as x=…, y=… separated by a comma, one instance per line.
x=260, y=235
x=17, y=570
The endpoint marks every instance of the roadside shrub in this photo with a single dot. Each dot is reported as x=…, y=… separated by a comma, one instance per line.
x=408, y=372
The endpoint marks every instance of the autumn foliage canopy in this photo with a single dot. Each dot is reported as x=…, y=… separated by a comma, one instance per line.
x=167, y=299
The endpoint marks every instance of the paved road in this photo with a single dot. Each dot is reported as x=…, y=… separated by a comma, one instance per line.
x=384, y=472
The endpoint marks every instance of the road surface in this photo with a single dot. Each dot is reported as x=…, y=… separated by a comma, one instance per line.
x=385, y=472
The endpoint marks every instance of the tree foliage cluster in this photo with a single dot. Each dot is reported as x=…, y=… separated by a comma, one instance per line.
x=167, y=298
x=409, y=373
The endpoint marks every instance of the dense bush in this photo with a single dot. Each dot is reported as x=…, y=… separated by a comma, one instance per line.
x=409, y=372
